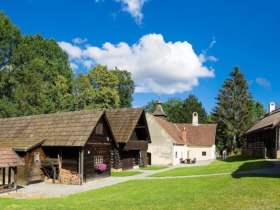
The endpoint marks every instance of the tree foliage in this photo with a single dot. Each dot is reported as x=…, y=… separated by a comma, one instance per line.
x=125, y=87
x=181, y=111
x=232, y=112
x=257, y=110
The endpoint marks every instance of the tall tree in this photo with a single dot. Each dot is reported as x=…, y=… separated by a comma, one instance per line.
x=181, y=111
x=40, y=79
x=191, y=105
x=232, y=112
x=257, y=110
x=125, y=87
x=105, y=84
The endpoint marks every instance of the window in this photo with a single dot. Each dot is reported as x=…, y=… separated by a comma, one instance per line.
x=175, y=154
x=36, y=157
x=98, y=160
x=203, y=153
x=99, y=129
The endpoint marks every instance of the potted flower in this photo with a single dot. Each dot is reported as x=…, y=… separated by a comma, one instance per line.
x=101, y=167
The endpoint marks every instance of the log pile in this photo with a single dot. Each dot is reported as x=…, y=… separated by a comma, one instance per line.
x=68, y=177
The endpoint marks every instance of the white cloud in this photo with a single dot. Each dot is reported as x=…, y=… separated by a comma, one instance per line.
x=79, y=40
x=134, y=8
x=156, y=66
x=263, y=82
x=73, y=51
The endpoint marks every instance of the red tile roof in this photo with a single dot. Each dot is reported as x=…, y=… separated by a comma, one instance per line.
x=198, y=135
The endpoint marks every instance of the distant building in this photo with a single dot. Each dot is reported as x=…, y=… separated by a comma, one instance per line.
x=263, y=137
x=171, y=142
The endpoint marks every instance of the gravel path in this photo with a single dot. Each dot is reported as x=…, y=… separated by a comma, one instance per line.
x=48, y=190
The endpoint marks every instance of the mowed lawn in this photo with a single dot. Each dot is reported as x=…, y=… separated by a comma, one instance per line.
x=243, y=191
x=231, y=164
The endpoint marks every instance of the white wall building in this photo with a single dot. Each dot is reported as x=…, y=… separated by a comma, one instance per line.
x=170, y=142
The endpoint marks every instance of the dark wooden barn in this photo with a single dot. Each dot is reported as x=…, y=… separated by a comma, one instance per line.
x=131, y=132
x=9, y=161
x=263, y=138
x=72, y=147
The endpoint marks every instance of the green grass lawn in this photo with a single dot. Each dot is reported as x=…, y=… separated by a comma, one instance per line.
x=154, y=167
x=215, y=192
x=231, y=164
x=239, y=191
x=125, y=173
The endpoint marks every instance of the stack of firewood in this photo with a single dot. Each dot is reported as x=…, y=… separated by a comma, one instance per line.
x=68, y=177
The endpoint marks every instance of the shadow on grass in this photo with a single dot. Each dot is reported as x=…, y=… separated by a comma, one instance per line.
x=260, y=168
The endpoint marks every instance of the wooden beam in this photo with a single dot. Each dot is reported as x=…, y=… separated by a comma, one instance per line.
x=15, y=177
x=4, y=176
x=79, y=166
x=82, y=165
x=9, y=177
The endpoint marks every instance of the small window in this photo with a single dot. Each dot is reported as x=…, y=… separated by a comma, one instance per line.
x=98, y=160
x=175, y=154
x=36, y=157
x=203, y=153
x=99, y=129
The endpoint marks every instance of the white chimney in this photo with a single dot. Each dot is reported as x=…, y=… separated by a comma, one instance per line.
x=272, y=106
x=195, y=118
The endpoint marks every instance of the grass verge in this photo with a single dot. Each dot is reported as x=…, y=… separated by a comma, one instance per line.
x=154, y=167
x=125, y=173
x=216, y=192
x=232, y=164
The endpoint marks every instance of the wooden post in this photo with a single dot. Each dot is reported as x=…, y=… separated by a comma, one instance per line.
x=54, y=173
x=82, y=165
x=15, y=177
x=79, y=166
x=9, y=177
x=4, y=176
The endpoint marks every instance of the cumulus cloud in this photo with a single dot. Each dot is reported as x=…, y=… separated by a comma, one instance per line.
x=79, y=40
x=134, y=8
x=263, y=82
x=156, y=65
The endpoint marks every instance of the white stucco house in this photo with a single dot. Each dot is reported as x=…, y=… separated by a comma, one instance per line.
x=170, y=141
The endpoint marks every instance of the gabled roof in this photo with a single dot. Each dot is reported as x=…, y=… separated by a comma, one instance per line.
x=269, y=121
x=58, y=129
x=123, y=122
x=198, y=135
x=171, y=129
x=8, y=158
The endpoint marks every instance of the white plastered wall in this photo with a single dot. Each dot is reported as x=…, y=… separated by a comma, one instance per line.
x=179, y=151
x=161, y=146
x=196, y=152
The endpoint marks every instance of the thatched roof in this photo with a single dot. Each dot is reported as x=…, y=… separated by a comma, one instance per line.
x=198, y=135
x=269, y=121
x=8, y=158
x=59, y=129
x=123, y=122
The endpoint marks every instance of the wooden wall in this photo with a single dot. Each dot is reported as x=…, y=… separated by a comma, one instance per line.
x=31, y=172
x=99, y=144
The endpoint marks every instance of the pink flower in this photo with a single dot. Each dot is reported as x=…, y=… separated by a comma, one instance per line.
x=102, y=167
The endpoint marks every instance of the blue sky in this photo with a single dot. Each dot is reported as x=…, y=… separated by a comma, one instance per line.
x=173, y=48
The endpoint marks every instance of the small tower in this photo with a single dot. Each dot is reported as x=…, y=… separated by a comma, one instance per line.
x=159, y=111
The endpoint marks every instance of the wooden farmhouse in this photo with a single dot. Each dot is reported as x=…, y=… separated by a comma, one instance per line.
x=171, y=143
x=72, y=147
x=131, y=132
x=9, y=161
x=263, y=138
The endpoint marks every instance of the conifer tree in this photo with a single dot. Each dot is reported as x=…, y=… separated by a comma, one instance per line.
x=232, y=112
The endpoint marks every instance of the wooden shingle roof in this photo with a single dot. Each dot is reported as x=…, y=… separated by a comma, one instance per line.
x=269, y=121
x=8, y=158
x=58, y=129
x=123, y=122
